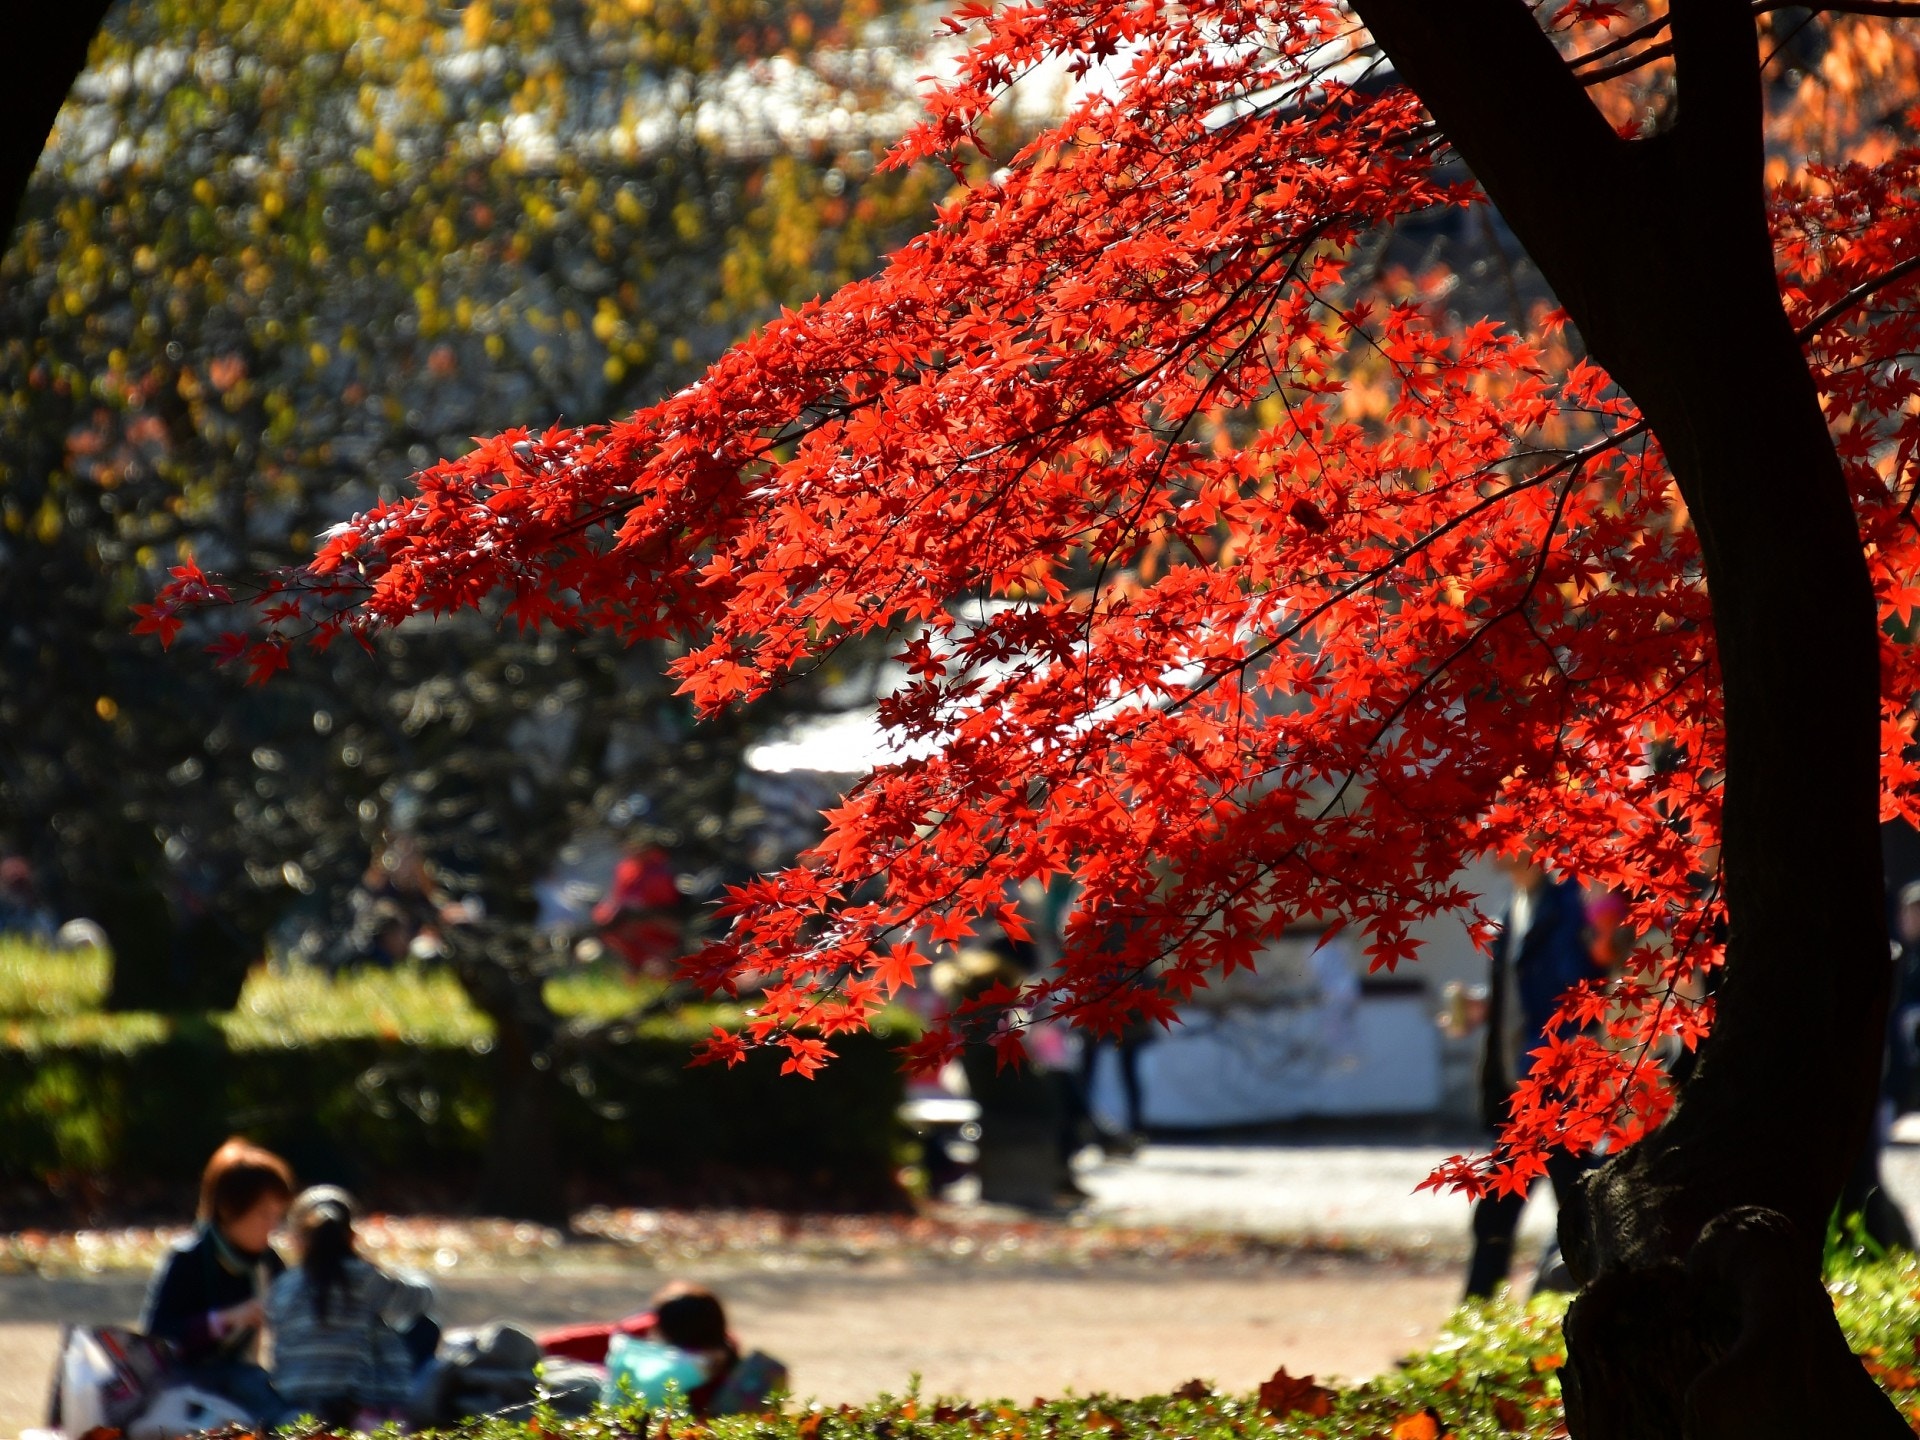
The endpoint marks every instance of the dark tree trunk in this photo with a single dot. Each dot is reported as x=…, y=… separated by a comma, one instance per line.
x=140, y=935
x=50, y=42
x=520, y=1177
x=121, y=893
x=1702, y=1313
x=167, y=957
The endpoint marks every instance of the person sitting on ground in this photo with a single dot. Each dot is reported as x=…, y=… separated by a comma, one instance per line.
x=338, y=1350
x=689, y=1318
x=207, y=1296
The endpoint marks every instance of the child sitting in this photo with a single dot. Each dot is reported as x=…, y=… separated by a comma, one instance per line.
x=335, y=1354
x=691, y=1320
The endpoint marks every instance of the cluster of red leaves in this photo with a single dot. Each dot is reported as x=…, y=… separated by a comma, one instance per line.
x=1231, y=586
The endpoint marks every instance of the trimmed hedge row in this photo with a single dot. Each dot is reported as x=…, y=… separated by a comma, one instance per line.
x=139, y=1098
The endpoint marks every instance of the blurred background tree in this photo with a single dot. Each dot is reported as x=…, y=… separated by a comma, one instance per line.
x=273, y=260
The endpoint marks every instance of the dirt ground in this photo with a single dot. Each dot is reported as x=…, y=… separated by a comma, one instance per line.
x=849, y=1333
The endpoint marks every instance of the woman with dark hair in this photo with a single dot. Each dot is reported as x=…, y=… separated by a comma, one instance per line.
x=207, y=1297
x=336, y=1352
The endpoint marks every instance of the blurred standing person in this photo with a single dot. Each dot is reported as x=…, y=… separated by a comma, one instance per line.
x=1126, y=1043
x=640, y=918
x=21, y=911
x=400, y=911
x=1903, y=1021
x=1543, y=949
x=1864, y=1201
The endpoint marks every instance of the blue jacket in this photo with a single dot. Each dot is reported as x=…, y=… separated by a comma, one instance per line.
x=1553, y=958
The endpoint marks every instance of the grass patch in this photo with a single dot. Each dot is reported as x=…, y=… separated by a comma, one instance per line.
x=603, y=991
x=299, y=1005
x=37, y=982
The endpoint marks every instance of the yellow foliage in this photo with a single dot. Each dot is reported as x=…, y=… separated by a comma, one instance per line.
x=47, y=522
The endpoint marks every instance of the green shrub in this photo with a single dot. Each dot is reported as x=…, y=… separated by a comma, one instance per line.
x=386, y=1077
x=38, y=983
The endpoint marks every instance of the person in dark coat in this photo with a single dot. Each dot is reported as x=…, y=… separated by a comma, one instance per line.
x=1543, y=950
x=207, y=1296
x=1903, y=1019
x=1864, y=1201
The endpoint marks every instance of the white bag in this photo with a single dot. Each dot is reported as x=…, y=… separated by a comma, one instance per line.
x=185, y=1410
x=86, y=1372
x=105, y=1375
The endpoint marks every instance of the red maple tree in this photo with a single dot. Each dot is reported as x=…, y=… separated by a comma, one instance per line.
x=1246, y=584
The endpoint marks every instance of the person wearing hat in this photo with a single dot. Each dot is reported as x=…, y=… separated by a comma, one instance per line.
x=338, y=1353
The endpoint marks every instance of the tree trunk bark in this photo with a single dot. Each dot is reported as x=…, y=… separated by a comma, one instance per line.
x=139, y=931
x=520, y=1177
x=1703, y=1244
x=1699, y=1249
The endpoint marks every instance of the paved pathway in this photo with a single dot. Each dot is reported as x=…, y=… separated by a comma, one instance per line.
x=1349, y=1191
x=1339, y=1191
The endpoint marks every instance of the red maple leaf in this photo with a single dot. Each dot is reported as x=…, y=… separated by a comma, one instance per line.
x=1283, y=1395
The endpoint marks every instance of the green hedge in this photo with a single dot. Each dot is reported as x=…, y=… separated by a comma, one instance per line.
x=119, y=1099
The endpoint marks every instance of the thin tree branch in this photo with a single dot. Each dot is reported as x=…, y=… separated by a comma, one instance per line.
x=1865, y=290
